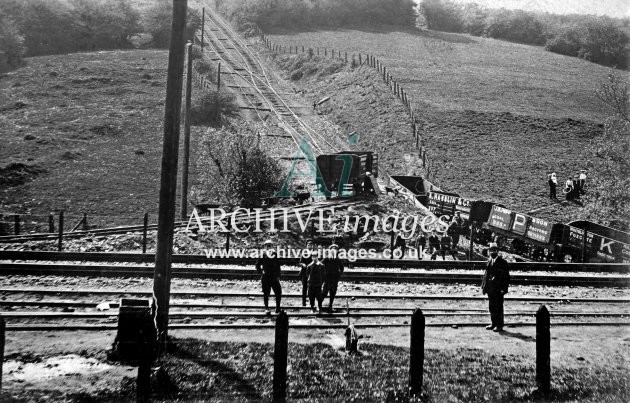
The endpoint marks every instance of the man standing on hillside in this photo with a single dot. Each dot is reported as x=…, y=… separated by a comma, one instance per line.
x=495, y=283
x=553, y=183
x=582, y=180
x=269, y=267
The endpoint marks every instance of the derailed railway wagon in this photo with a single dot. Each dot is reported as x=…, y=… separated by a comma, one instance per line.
x=577, y=241
x=536, y=238
x=348, y=172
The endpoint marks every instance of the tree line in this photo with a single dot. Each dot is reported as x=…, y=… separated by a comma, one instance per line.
x=43, y=27
x=272, y=14
x=598, y=39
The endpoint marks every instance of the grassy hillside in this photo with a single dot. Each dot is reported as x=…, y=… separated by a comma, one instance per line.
x=496, y=116
x=83, y=133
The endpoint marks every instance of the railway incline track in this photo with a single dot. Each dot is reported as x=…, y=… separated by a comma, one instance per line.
x=257, y=87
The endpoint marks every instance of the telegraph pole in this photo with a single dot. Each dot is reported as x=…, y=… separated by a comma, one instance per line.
x=168, y=182
x=186, y=159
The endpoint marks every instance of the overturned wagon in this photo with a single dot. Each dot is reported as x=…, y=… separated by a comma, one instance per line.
x=349, y=172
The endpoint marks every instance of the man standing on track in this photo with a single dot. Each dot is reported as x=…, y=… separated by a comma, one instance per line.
x=455, y=228
x=495, y=283
x=333, y=270
x=269, y=267
x=434, y=245
x=305, y=260
x=421, y=244
x=315, y=274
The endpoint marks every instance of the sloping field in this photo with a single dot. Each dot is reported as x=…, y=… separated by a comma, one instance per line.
x=83, y=133
x=496, y=116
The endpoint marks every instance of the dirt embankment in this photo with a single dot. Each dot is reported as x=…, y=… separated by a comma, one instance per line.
x=358, y=102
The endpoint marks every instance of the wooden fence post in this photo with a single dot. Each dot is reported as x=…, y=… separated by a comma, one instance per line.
x=60, y=240
x=84, y=221
x=302, y=49
x=416, y=353
x=16, y=221
x=51, y=223
x=219, y=77
x=143, y=381
x=144, y=232
x=325, y=52
x=543, y=350
x=3, y=328
x=360, y=62
x=280, y=355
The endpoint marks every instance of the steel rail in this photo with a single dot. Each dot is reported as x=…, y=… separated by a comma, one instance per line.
x=352, y=296
x=349, y=276
x=248, y=326
x=257, y=315
x=341, y=310
x=235, y=38
x=376, y=263
x=265, y=99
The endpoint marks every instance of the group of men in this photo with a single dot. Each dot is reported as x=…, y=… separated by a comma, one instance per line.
x=319, y=276
x=434, y=244
x=573, y=187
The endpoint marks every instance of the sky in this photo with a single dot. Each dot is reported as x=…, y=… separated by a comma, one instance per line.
x=613, y=8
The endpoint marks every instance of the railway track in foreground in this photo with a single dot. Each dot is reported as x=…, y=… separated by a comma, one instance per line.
x=130, y=257
x=59, y=309
x=355, y=276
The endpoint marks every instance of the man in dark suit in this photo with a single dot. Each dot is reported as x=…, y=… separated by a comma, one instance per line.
x=305, y=260
x=495, y=283
x=333, y=269
x=269, y=268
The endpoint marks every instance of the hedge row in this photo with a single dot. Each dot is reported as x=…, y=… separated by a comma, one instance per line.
x=602, y=40
x=272, y=14
x=42, y=27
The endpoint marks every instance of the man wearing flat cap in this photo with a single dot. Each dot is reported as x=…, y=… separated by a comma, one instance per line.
x=495, y=283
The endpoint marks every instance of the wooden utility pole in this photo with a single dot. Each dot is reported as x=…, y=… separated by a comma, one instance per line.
x=168, y=182
x=186, y=159
x=203, y=25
